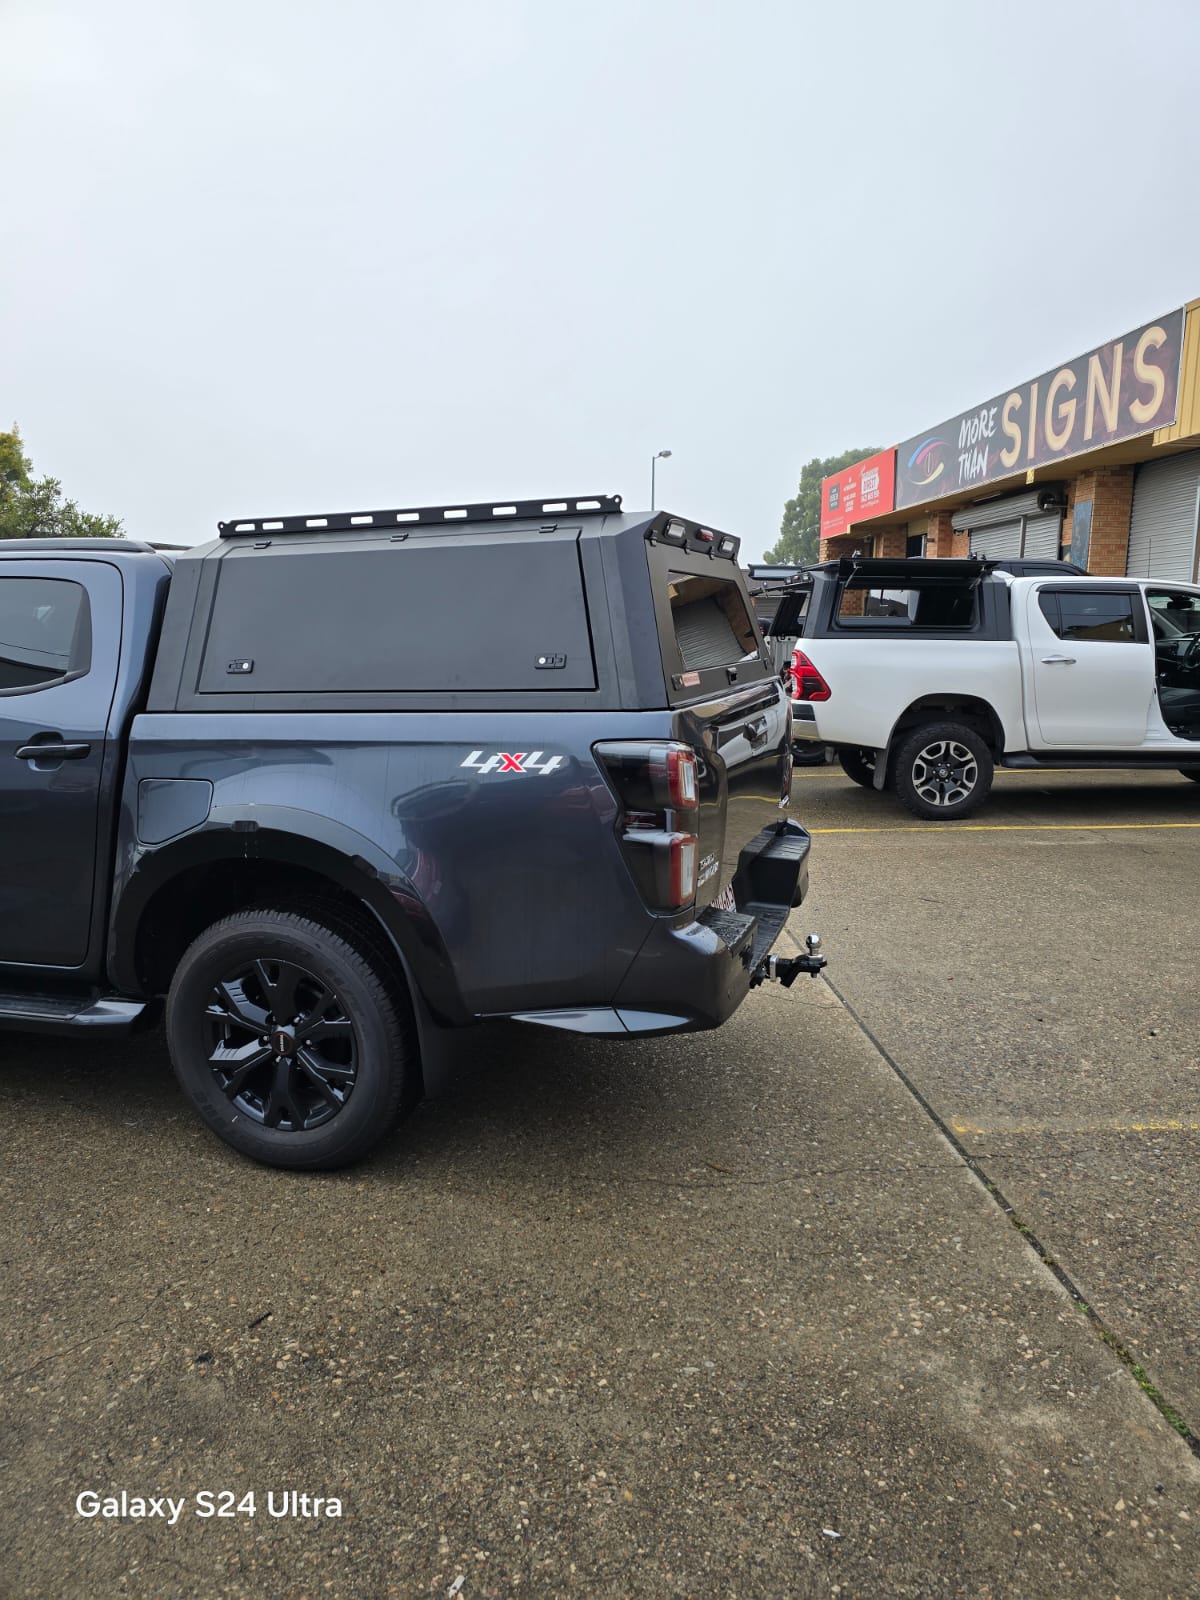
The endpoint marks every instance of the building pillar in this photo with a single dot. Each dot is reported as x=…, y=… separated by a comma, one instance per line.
x=942, y=539
x=890, y=543
x=1109, y=490
x=831, y=549
x=1064, y=536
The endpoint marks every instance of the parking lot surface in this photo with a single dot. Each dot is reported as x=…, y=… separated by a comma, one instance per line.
x=1035, y=979
x=725, y=1314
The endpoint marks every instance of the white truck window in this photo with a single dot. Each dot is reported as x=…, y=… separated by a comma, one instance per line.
x=933, y=603
x=1090, y=614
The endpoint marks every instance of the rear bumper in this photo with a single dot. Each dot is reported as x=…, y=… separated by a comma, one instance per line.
x=694, y=975
x=804, y=721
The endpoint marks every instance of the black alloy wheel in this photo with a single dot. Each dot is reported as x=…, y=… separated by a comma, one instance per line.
x=942, y=771
x=283, y=1046
x=293, y=1037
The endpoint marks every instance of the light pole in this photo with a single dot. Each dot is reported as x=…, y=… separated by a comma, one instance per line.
x=654, y=460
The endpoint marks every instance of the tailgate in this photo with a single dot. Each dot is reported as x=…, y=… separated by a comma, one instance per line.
x=743, y=748
x=727, y=700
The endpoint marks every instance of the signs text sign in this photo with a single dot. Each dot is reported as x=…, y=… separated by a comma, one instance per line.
x=1125, y=387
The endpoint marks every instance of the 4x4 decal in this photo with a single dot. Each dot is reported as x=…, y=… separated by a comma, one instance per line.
x=502, y=761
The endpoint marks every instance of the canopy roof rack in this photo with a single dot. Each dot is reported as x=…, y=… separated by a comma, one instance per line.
x=389, y=521
x=779, y=576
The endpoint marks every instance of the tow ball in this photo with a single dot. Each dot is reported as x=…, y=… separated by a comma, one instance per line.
x=786, y=969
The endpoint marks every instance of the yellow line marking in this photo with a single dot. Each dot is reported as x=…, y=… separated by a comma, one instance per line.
x=1111, y=774
x=1171, y=1125
x=1010, y=827
x=1109, y=777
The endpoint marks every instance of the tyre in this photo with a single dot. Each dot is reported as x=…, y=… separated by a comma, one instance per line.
x=289, y=1040
x=942, y=770
x=858, y=765
x=808, y=753
x=1191, y=772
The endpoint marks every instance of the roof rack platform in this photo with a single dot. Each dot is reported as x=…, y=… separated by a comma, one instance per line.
x=390, y=521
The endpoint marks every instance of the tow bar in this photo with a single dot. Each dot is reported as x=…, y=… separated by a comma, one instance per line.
x=786, y=969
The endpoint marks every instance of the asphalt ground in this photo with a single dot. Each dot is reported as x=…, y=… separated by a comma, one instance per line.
x=720, y=1315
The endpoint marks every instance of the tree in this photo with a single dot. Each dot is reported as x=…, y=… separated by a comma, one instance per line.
x=801, y=526
x=15, y=465
x=34, y=508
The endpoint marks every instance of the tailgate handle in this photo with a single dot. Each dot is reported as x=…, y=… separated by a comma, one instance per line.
x=756, y=730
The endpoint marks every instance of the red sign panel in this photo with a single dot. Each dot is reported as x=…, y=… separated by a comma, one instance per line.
x=863, y=490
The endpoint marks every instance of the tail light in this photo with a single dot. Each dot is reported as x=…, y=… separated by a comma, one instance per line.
x=683, y=868
x=681, y=777
x=656, y=785
x=807, y=682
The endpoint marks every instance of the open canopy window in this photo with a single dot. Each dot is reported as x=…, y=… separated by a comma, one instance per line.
x=712, y=626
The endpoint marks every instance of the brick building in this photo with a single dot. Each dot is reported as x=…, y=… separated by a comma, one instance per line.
x=1096, y=461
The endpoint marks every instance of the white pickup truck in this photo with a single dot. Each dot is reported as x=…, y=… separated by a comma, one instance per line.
x=926, y=674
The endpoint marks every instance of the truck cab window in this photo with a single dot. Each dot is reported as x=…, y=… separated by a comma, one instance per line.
x=1173, y=612
x=45, y=632
x=1089, y=615
x=1175, y=629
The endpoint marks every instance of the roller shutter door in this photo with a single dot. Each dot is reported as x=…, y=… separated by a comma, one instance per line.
x=1162, y=527
x=1004, y=539
x=1014, y=525
x=1043, y=534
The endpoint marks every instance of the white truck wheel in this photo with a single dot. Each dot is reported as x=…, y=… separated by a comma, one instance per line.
x=942, y=770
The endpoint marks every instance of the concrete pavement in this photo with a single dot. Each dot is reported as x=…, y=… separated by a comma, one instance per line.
x=722, y=1315
x=1034, y=974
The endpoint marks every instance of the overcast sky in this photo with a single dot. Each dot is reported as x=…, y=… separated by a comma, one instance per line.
x=295, y=255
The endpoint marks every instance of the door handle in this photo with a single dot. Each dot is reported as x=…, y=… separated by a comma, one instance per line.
x=53, y=752
x=1055, y=661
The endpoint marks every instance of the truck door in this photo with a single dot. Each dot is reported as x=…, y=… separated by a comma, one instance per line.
x=60, y=632
x=1090, y=664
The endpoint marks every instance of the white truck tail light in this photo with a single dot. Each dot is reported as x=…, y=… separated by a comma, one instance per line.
x=808, y=684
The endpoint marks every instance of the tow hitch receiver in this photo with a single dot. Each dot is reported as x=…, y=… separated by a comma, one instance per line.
x=786, y=969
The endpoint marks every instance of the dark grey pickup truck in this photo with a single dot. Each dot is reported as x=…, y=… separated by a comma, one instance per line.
x=329, y=784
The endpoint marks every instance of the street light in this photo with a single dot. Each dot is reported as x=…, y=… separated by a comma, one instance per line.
x=661, y=456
